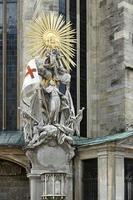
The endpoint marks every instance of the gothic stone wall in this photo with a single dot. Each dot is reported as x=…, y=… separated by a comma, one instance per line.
x=111, y=66
x=110, y=71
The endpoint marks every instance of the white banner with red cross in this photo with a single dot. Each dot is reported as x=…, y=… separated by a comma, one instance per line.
x=32, y=78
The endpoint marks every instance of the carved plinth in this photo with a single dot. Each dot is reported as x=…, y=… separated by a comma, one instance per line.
x=51, y=172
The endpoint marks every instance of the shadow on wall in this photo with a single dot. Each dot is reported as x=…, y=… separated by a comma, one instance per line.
x=14, y=184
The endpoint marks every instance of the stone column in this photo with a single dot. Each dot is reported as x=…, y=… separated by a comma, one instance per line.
x=69, y=186
x=35, y=186
x=102, y=176
x=110, y=176
x=106, y=176
x=119, y=176
x=78, y=179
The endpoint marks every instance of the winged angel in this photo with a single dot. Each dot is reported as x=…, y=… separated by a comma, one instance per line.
x=47, y=107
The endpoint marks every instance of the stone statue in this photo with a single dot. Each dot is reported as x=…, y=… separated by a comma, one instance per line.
x=47, y=107
x=49, y=119
x=54, y=102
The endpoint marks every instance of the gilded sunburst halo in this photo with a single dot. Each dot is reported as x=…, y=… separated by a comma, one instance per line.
x=50, y=31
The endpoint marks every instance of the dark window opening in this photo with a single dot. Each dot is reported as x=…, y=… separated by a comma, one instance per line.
x=11, y=65
x=8, y=65
x=83, y=67
x=62, y=7
x=90, y=179
x=73, y=88
x=128, y=179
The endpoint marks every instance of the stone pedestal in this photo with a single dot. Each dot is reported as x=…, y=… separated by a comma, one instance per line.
x=51, y=175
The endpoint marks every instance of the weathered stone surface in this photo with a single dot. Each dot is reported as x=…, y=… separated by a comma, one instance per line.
x=110, y=67
x=14, y=184
x=50, y=158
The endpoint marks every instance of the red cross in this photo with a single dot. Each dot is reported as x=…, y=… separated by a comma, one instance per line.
x=30, y=71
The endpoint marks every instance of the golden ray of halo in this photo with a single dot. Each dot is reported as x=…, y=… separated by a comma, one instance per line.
x=49, y=31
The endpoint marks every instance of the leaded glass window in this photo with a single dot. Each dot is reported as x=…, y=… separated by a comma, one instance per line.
x=8, y=65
